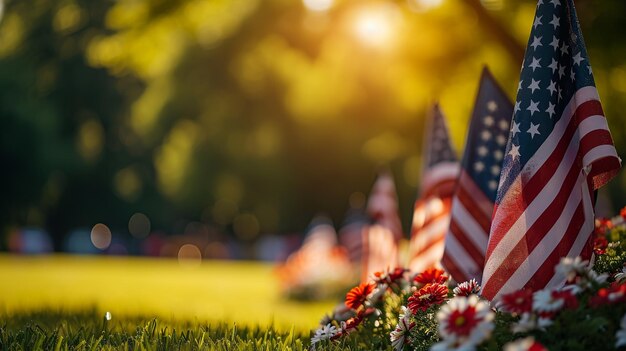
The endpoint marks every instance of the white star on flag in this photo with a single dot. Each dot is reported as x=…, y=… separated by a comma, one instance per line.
x=536, y=43
x=533, y=107
x=533, y=130
x=515, y=128
x=535, y=64
x=534, y=85
x=514, y=151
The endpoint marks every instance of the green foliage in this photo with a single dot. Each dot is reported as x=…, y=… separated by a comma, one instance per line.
x=87, y=331
x=614, y=259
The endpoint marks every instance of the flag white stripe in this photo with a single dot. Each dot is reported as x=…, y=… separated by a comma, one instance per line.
x=591, y=123
x=468, y=224
x=440, y=172
x=459, y=255
x=546, y=149
x=533, y=211
x=427, y=258
x=599, y=152
x=430, y=233
x=583, y=234
x=484, y=205
x=549, y=241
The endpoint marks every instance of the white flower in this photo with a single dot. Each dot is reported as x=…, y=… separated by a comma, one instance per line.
x=467, y=288
x=598, y=278
x=377, y=294
x=525, y=344
x=398, y=335
x=464, y=322
x=526, y=323
x=571, y=267
x=621, y=334
x=324, y=333
x=543, y=301
x=543, y=322
x=621, y=277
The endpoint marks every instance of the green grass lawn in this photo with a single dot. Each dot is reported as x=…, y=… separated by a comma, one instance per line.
x=216, y=292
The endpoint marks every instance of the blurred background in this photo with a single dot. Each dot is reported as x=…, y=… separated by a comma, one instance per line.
x=219, y=128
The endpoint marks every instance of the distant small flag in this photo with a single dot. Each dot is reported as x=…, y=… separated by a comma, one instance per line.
x=431, y=215
x=380, y=238
x=559, y=151
x=472, y=204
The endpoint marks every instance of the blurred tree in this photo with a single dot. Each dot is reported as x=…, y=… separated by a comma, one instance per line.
x=251, y=116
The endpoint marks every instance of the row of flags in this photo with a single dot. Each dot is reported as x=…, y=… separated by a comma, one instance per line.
x=523, y=194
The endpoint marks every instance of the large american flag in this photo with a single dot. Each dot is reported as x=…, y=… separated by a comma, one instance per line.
x=431, y=214
x=559, y=151
x=380, y=238
x=474, y=196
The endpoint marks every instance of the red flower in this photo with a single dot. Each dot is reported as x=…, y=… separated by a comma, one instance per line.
x=357, y=296
x=462, y=322
x=430, y=276
x=622, y=213
x=518, y=302
x=429, y=295
x=390, y=276
x=616, y=293
x=599, y=245
x=569, y=300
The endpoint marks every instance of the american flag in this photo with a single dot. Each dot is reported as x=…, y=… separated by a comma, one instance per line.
x=472, y=203
x=431, y=214
x=559, y=151
x=380, y=238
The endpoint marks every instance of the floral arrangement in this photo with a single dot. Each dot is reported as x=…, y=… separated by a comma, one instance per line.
x=399, y=311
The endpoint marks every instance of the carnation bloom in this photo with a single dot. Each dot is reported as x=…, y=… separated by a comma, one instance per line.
x=324, y=333
x=526, y=344
x=599, y=245
x=388, y=276
x=570, y=268
x=430, y=294
x=431, y=275
x=517, y=302
x=620, y=336
x=398, y=336
x=549, y=300
x=467, y=288
x=356, y=297
x=615, y=293
x=464, y=322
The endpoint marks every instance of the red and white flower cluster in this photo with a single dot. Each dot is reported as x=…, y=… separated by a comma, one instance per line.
x=462, y=319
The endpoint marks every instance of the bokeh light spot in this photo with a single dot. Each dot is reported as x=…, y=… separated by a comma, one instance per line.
x=377, y=25
x=139, y=225
x=318, y=5
x=189, y=255
x=424, y=5
x=101, y=236
x=357, y=200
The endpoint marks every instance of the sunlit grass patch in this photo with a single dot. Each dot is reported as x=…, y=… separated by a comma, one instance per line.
x=245, y=293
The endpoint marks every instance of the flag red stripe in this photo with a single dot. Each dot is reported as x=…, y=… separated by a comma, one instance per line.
x=473, y=208
x=545, y=273
x=437, y=240
x=453, y=269
x=443, y=188
x=533, y=235
x=475, y=253
x=536, y=183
